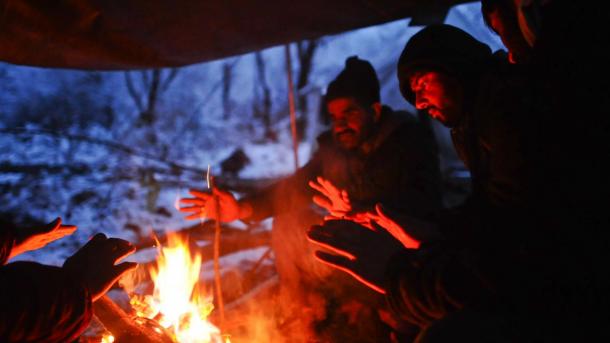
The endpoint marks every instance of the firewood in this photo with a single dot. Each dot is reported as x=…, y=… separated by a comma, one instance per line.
x=124, y=328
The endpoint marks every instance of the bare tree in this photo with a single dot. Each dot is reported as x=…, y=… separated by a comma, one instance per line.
x=227, y=71
x=146, y=95
x=305, y=52
x=262, y=107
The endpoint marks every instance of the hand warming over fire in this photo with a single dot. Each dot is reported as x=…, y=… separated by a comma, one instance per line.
x=94, y=263
x=38, y=237
x=203, y=205
x=408, y=230
x=334, y=200
x=359, y=251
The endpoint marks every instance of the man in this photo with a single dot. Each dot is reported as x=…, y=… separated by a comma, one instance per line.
x=371, y=152
x=40, y=303
x=484, y=272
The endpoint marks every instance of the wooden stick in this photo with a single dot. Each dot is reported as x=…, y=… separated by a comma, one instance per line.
x=217, y=278
x=293, y=115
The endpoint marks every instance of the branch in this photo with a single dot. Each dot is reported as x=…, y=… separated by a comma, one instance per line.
x=168, y=80
x=109, y=144
x=133, y=93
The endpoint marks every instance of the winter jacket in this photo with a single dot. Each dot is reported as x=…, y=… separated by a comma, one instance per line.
x=39, y=303
x=397, y=166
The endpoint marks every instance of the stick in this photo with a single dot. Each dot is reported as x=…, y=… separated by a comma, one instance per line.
x=293, y=116
x=217, y=280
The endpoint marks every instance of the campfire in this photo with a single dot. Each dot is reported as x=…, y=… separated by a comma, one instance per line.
x=178, y=303
x=179, y=307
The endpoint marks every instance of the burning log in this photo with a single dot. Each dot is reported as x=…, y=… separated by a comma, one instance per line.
x=123, y=327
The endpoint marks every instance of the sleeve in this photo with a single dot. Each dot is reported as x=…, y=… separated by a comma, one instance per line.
x=283, y=195
x=40, y=303
x=425, y=285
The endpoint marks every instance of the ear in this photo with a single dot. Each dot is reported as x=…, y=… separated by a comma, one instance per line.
x=376, y=111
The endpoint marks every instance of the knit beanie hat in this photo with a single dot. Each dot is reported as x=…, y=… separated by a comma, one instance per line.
x=358, y=80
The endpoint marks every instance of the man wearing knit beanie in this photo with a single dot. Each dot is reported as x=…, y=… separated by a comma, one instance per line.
x=352, y=99
x=372, y=153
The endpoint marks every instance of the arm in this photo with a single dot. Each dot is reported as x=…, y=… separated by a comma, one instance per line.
x=15, y=241
x=41, y=303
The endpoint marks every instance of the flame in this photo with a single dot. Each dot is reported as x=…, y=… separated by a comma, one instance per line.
x=107, y=338
x=176, y=303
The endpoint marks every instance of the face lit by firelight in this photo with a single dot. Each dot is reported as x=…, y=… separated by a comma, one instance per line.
x=439, y=94
x=352, y=123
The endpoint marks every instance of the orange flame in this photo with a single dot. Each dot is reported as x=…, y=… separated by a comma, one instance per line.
x=176, y=303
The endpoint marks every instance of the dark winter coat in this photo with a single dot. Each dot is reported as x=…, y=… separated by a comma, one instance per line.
x=39, y=303
x=397, y=166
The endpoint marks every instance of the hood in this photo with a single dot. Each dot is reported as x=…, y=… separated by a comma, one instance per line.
x=442, y=48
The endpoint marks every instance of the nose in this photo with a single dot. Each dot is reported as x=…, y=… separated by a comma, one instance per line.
x=420, y=102
x=339, y=125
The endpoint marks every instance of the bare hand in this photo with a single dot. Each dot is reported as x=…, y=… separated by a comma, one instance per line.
x=384, y=221
x=408, y=230
x=203, y=205
x=94, y=263
x=334, y=200
x=38, y=237
x=359, y=251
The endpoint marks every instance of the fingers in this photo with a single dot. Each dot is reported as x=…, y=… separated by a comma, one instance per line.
x=330, y=240
x=121, y=269
x=199, y=194
x=327, y=184
x=67, y=228
x=336, y=261
x=380, y=210
x=193, y=201
x=345, y=196
x=348, y=266
x=97, y=238
x=322, y=202
x=192, y=209
x=52, y=225
x=318, y=188
x=119, y=249
x=196, y=216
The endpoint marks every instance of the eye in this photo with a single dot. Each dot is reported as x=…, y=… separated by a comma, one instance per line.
x=422, y=84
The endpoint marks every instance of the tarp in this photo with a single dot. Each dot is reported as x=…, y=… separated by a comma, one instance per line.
x=131, y=34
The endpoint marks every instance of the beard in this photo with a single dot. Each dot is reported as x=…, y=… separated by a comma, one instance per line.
x=347, y=139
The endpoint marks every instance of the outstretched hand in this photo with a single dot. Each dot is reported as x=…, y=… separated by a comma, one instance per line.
x=37, y=237
x=203, y=205
x=94, y=263
x=382, y=219
x=334, y=200
x=357, y=250
x=408, y=230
